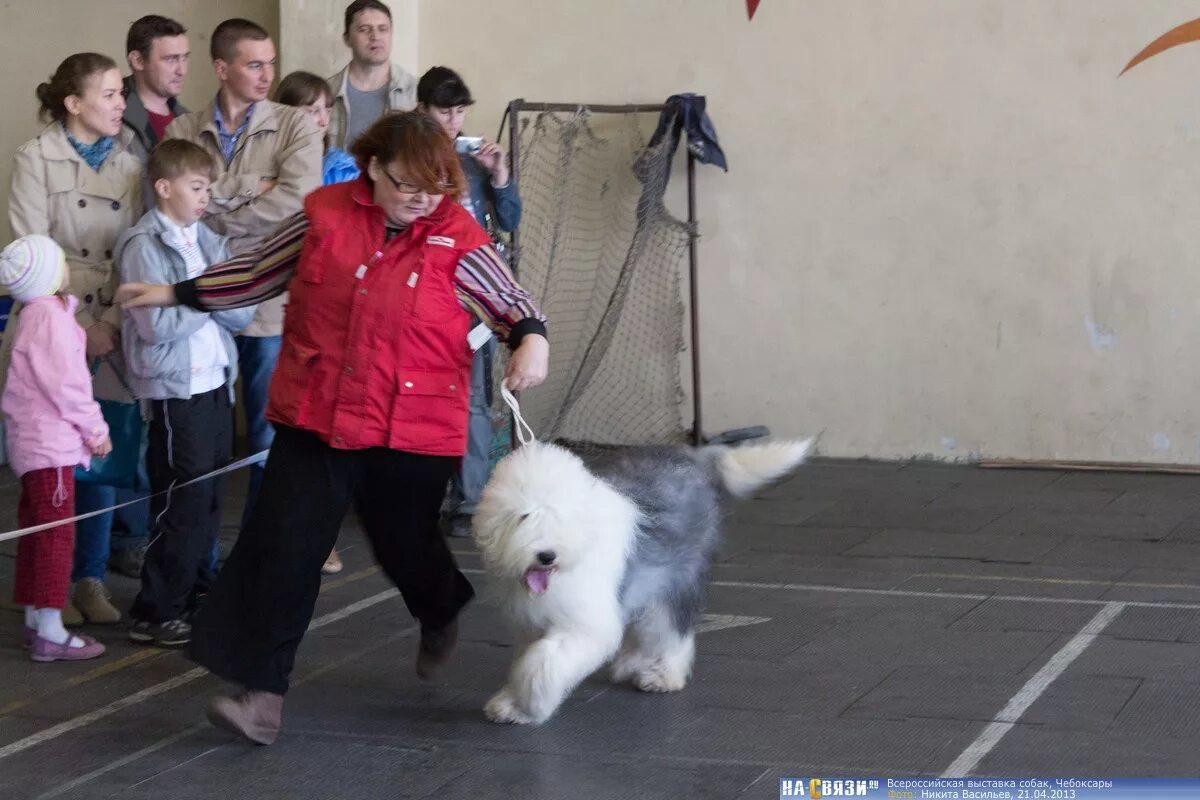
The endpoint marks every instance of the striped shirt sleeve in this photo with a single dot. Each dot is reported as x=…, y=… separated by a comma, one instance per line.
x=486, y=287
x=251, y=278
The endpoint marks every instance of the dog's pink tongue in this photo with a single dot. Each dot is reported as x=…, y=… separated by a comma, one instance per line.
x=538, y=580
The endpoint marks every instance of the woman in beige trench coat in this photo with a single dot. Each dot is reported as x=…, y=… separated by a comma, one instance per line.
x=76, y=183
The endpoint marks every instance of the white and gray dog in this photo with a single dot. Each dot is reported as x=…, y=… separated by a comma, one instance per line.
x=606, y=559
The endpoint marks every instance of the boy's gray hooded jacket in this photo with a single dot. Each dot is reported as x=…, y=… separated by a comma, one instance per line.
x=156, y=340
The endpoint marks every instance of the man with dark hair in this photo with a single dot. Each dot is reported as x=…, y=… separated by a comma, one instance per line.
x=157, y=51
x=231, y=33
x=370, y=84
x=269, y=157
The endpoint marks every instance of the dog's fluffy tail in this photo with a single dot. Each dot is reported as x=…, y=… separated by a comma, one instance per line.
x=744, y=469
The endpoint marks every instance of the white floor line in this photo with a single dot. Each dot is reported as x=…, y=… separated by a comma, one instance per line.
x=59, y=791
x=353, y=608
x=1015, y=598
x=83, y=720
x=966, y=763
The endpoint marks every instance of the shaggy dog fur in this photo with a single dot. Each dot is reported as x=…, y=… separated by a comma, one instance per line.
x=605, y=559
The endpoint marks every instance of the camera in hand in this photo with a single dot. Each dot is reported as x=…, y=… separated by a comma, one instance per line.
x=468, y=145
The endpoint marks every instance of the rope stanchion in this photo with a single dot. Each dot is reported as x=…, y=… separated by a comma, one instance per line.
x=257, y=458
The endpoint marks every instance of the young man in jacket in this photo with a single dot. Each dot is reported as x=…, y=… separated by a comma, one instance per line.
x=269, y=158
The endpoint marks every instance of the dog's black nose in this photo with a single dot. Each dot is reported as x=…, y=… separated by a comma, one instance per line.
x=546, y=557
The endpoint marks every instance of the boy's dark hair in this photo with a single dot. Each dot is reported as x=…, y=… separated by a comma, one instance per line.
x=142, y=33
x=229, y=33
x=175, y=157
x=354, y=8
x=442, y=87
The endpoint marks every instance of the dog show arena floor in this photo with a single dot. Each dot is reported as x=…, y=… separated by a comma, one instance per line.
x=864, y=620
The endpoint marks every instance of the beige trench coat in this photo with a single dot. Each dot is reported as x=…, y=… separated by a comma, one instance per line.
x=55, y=193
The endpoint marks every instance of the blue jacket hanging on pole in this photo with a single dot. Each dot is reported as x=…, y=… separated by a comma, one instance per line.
x=685, y=113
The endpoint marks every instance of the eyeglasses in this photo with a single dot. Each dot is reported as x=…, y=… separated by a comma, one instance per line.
x=404, y=187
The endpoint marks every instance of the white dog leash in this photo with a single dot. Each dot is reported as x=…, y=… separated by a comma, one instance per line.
x=523, y=428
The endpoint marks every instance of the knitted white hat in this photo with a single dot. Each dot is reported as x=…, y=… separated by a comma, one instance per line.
x=31, y=267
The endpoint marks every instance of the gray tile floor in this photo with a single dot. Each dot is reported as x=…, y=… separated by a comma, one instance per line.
x=866, y=619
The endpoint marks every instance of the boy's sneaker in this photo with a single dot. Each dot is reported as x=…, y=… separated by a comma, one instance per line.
x=173, y=633
x=142, y=632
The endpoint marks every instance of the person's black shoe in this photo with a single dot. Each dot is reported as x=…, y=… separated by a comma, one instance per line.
x=173, y=633
x=437, y=645
x=142, y=632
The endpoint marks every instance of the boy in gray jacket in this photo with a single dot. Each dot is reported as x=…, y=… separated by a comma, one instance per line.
x=184, y=362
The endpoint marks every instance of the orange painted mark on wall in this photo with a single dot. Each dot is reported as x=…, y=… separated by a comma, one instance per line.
x=1187, y=32
x=751, y=7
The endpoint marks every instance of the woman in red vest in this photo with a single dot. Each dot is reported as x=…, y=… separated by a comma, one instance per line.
x=369, y=402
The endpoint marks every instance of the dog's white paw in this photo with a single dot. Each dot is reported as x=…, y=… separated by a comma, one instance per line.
x=502, y=708
x=658, y=678
x=625, y=666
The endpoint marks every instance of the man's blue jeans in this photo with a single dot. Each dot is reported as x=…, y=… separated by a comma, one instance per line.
x=256, y=359
x=92, y=535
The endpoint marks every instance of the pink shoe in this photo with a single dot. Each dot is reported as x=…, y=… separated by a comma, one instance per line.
x=45, y=650
x=257, y=716
x=30, y=636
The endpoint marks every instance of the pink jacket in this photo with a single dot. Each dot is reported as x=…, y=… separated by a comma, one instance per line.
x=50, y=416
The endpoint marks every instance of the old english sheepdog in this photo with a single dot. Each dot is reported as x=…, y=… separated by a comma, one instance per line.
x=604, y=557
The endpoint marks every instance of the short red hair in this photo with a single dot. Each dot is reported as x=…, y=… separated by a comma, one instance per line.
x=418, y=146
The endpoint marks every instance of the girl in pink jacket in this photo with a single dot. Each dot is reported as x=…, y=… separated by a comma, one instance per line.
x=51, y=425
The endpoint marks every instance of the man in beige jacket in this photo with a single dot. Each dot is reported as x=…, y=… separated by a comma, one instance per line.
x=270, y=156
x=370, y=85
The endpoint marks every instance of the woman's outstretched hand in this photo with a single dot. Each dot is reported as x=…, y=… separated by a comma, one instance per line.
x=529, y=363
x=142, y=295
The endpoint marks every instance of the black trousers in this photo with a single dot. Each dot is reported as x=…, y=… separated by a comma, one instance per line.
x=251, y=624
x=187, y=439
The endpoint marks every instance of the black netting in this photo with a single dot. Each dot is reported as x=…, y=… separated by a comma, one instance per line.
x=603, y=255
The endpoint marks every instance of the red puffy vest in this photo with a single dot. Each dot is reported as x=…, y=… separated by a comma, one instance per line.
x=375, y=349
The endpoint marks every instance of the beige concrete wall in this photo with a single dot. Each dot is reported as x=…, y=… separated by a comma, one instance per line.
x=37, y=35
x=948, y=227
x=311, y=34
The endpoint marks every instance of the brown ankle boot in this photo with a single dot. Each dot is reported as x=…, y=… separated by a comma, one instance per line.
x=437, y=645
x=257, y=716
x=95, y=603
x=71, y=615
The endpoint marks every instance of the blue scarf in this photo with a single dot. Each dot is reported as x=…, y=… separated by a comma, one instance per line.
x=96, y=153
